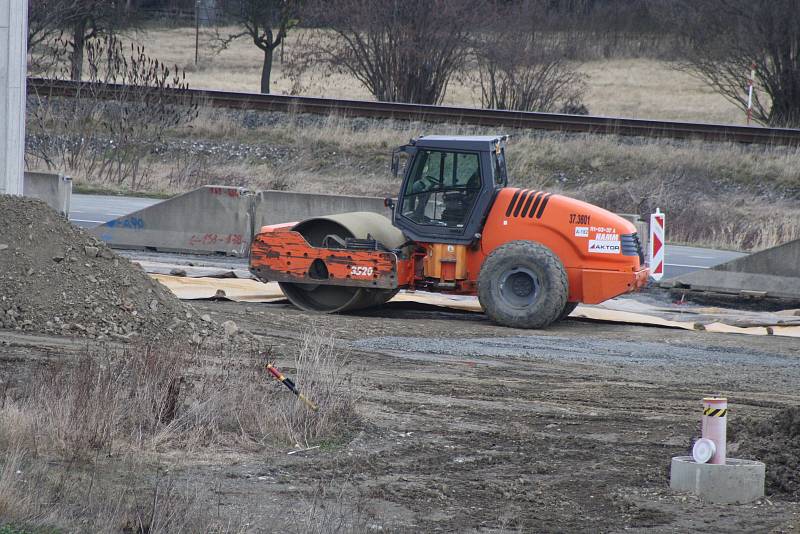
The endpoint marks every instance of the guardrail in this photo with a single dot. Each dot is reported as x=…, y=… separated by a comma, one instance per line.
x=452, y=114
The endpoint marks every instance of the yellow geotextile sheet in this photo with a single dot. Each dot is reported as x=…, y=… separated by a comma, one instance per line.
x=236, y=289
x=245, y=290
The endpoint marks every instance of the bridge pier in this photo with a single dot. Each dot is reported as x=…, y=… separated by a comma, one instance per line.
x=13, y=67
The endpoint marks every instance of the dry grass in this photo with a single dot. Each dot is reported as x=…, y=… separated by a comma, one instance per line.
x=651, y=89
x=322, y=375
x=727, y=186
x=641, y=88
x=157, y=398
x=81, y=439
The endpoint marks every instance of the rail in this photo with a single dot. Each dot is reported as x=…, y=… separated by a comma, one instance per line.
x=451, y=114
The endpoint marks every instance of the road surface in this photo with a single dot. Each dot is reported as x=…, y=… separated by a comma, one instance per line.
x=91, y=210
x=680, y=260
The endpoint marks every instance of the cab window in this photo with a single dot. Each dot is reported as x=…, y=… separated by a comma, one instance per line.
x=443, y=188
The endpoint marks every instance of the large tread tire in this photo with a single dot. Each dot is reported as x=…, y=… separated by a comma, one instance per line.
x=523, y=284
x=569, y=307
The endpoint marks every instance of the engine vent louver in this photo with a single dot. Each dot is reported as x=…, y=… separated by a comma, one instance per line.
x=631, y=246
x=528, y=203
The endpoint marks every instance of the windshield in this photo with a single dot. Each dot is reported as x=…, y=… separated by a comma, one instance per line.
x=442, y=188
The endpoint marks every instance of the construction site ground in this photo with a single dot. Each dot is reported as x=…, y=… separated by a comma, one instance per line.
x=468, y=426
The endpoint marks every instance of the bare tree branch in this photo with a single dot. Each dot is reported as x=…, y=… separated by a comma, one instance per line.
x=401, y=51
x=521, y=63
x=726, y=37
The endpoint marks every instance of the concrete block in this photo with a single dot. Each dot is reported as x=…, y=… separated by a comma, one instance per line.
x=54, y=189
x=735, y=283
x=274, y=207
x=783, y=260
x=211, y=219
x=738, y=481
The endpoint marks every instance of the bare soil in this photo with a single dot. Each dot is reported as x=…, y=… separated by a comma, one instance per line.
x=470, y=427
x=775, y=440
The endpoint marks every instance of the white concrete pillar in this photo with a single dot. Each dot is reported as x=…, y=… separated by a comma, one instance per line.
x=13, y=67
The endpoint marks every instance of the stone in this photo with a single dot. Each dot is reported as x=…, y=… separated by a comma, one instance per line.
x=153, y=305
x=206, y=318
x=3, y=246
x=106, y=253
x=91, y=251
x=230, y=328
x=177, y=272
x=58, y=258
x=738, y=481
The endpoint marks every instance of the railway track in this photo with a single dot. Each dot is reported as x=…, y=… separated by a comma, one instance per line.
x=451, y=114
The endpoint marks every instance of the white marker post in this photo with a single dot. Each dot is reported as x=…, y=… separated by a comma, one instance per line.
x=657, y=245
x=750, y=93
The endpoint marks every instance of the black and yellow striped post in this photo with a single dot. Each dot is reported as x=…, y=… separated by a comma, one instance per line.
x=714, y=425
x=274, y=371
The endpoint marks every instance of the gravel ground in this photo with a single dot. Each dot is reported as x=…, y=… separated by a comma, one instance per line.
x=478, y=428
x=471, y=427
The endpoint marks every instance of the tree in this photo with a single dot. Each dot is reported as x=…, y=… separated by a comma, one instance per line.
x=521, y=64
x=726, y=37
x=261, y=19
x=77, y=21
x=401, y=51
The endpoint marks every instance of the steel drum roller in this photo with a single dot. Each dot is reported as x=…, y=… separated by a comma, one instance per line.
x=330, y=299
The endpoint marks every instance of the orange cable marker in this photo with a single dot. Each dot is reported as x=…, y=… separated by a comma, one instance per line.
x=289, y=384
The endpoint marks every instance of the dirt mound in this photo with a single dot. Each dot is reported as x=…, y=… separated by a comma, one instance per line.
x=776, y=442
x=57, y=279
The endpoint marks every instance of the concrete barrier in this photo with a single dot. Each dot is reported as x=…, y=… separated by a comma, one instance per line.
x=54, y=189
x=771, y=273
x=273, y=207
x=224, y=220
x=211, y=219
x=783, y=260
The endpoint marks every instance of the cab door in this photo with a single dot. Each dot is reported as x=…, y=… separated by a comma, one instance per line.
x=442, y=198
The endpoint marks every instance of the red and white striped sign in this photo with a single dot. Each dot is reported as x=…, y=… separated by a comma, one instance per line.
x=657, y=245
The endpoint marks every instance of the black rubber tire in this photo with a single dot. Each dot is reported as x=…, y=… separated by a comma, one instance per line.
x=569, y=307
x=504, y=299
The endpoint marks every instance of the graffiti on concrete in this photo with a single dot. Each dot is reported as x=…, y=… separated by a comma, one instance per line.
x=128, y=223
x=229, y=191
x=215, y=239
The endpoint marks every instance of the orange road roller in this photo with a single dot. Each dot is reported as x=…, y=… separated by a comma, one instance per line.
x=530, y=256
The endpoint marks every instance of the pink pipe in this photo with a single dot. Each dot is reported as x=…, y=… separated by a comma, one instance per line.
x=714, y=425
